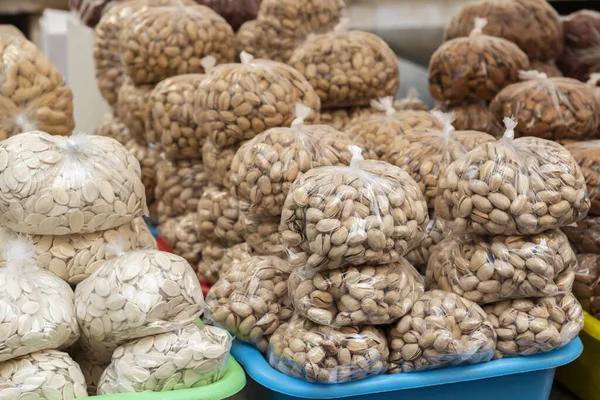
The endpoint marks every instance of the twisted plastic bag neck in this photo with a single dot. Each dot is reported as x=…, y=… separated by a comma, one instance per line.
x=478, y=25
x=446, y=119
x=116, y=246
x=356, y=155
x=342, y=26
x=385, y=104
x=20, y=254
x=208, y=63
x=531, y=75
x=509, y=134
x=594, y=79
x=302, y=112
x=246, y=58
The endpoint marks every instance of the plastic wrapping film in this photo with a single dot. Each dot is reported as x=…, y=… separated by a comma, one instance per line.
x=264, y=168
x=549, y=68
x=550, y=108
x=33, y=93
x=587, y=154
x=513, y=186
x=46, y=374
x=139, y=293
x=474, y=117
x=150, y=53
x=235, y=12
x=111, y=126
x=367, y=295
x=494, y=268
x=132, y=101
x=347, y=68
x=585, y=235
x=190, y=357
x=368, y=213
x=474, y=68
x=409, y=120
x=210, y=268
x=219, y=217
x=536, y=325
x=412, y=101
x=434, y=232
x=218, y=162
x=149, y=158
x=267, y=39
x=586, y=286
x=426, y=154
x=442, y=330
x=262, y=235
x=181, y=234
x=55, y=185
x=532, y=24
x=319, y=353
x=236, y=102
x=580, y=57
x=251, y=299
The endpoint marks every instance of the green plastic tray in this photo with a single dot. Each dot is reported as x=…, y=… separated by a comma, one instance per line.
x=232, y=382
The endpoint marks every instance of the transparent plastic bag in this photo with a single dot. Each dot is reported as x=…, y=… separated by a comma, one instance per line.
x=211, y=268
x=319, y=353
x=474, y=68
x=340, y=118
x=410, y=102
x=236, y=102
x=264, y=168
x=474, y=117
x=368, y=295
x=368, y=213
x=46, y=374
x=55, y=185
x=409, y=120
x=532, y=24
x=550, y=108
x=486, y=269
x=139, y=293
x=267, y=39
x=33, y=93
x=434, y=232
x=113, y=127
x=219, y=217
x=536, y=325
x=442, y=330
x=586, y=286
x=148, y=157
x=218, y=162
x=36, y=306
x=132, y=101
x=426, y=154
x=587, y=154
x=513, y=186
x=182, y=236
x=303, y=17
x=262, y=235
x=585, y=235
x=548, y=68
x=164, y=41
x=347, y=68
x=190, y=357
x=580, y=57
x=251, y=299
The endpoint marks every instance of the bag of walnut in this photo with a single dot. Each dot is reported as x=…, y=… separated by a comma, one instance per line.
x=111, y=126
x=587, y=154
x=347, y=68
x=532, y=24
x=535, y=325
x=36, y=306
x=33, y=94
x=586, y=286
x=319, y=353
x=236, y=102
x=251, y=299
x=584, y=236
x=513, y=187
x=474, y=117
x=368, y=213
x=426, y=154
x=264, y=168
x=55, y=185
x=442, y=330
x=474, y=68
x=486, y=269
x=550, y=108
x=580, y=57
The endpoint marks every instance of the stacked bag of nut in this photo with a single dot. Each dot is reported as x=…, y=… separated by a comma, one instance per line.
x=505, y=202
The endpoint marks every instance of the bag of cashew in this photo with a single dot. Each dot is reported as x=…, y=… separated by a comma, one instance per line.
x=320, y=353
x=442, y=330
x=512, y=187
x=251, y=299
x=586, y=286
x=474, y=68
x=36, y=307
x=367, y=295
x=190, y=357
x=368, y=213
x=535, y=325
x=486, y=269
x=139, y=293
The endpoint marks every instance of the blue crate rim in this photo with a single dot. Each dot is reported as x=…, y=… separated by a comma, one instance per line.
x=259, y=369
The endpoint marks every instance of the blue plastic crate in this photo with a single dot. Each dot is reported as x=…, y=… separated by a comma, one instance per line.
x=521, y=378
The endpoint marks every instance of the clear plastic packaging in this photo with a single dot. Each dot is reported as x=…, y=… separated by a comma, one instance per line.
x=587, y=154
x=36, y=306
x=218, y=162
x=548, y=68
x=474, y=117
x=190, y=357
x=486, y=269
x=586, y=286
x=409, y=120
x=262, y=235
x=267, y=39
x=33, y=93
x=251, y=299
x=132, y=101
x=347, y=68
x=410, y=102
x=474, y=68
x=532, y=24
x=303, y=17
x=368, y=295
x=236, y=102
x=164, y=41
x=235, y=12
x=46, y=374
x=580, y=57
x=536, y=325
x=585, y=235
x=219, y=217
x=513, y=186
x=113, y=127
x=264, y=168
x=139, y=293
x=426, y=154
x=442, y=330
x=550, y=108
x=319, y=353
x=181, y=234
x=210, y=268
x=368, y=213
x=55, y=185
x=149, y=158
x=434, y=232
